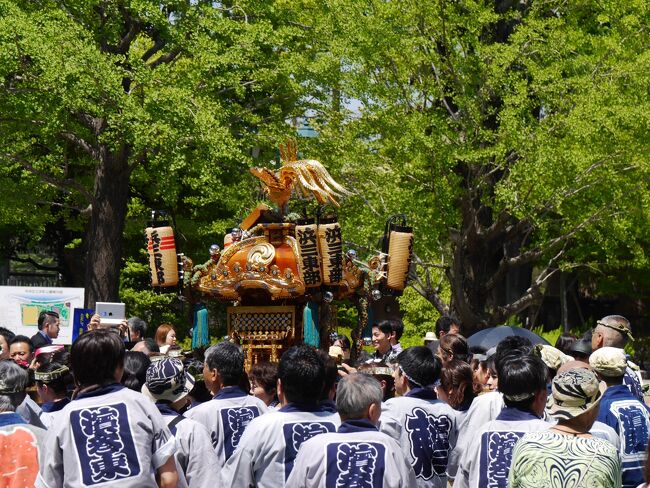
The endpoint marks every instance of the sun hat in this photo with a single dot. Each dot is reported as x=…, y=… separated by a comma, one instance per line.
x=552, y=357
x=574, y=392
x=430, y=336
x=167, y=380
x=609, y=361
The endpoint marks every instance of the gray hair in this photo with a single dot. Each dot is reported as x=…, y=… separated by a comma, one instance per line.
x=228, y=358
x=355, y=393
x=13, y=381
x=138, y=325
x=612, y=337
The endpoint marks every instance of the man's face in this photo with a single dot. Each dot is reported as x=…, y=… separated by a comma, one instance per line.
x=135, y=335
x=4, y=354
x=52, y=327
x=380, y=341
x=20, y=353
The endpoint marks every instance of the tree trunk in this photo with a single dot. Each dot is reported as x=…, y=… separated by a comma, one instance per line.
x=104, y=236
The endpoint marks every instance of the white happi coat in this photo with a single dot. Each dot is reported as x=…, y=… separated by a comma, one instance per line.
x=486, y=461
x=226, y=417
x=31, y=412
x=426, y=431
x=195, y=458
x=357, y=455
x=269, y=446
x=484, y=408
x=51, y=410
x=110, y=436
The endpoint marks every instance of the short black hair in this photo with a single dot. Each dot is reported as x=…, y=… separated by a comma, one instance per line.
x=444, y=323
x=386, y=326
x=521, y=374
x=331, y=374
x=420, y=365
x=95, y=356
x=45, y=316
x=302, y=374
x=510, y=345
x=135, y=370
x=398, y=328
x=22, y=338
x=7, y=334
x=227, y=358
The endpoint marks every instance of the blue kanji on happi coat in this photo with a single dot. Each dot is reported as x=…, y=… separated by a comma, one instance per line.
x=429, y=439
x=355, y=465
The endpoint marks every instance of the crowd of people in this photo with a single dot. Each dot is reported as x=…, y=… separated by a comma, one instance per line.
x=435, y=415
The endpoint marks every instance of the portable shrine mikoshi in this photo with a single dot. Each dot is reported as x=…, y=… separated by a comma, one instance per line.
x=282, y=275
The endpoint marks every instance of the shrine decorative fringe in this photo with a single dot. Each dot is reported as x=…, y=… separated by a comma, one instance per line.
x=310, y=324
x=200, y=332
x=400, y=251
x=165, y=259
x=330, y=242
x=307, y=238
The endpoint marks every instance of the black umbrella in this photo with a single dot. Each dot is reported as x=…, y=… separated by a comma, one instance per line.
x=491, y=336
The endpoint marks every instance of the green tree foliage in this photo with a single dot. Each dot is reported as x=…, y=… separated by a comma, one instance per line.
x=113, y=107
x=515, y=134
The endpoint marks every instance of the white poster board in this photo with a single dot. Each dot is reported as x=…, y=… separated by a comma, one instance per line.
x=21, y=305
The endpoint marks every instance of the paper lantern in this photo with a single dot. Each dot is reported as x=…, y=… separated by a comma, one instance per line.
x=164, y=255
x=307, y=238
x=400, y=253
x=330, y=242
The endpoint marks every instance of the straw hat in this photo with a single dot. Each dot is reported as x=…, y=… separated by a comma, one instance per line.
x=430, y=336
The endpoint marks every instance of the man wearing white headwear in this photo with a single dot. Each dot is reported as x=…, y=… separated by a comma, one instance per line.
x=169, y=385
x=622, y=411
x=616, y=331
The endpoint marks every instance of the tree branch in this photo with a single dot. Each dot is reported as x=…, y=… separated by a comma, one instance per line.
x=166, y=58
x=92, y=151
x=66, y=185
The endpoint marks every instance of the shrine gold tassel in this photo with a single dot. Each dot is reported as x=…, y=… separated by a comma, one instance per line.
x=330, y=241
x=400, y=250
x=307, y=237
x=165, y=259
x=153, y=274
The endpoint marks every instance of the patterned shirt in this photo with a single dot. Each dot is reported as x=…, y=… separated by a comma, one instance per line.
x=551, y=460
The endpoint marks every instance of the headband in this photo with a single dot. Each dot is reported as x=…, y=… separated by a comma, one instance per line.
x=519, y=397
x=409, y=378
x=378, y=370
x=52, y=375
x=619, y=328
